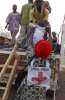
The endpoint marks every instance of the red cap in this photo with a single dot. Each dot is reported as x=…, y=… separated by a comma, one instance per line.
x=42, y=49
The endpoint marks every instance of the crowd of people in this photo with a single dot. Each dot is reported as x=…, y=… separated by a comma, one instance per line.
x=37, y=13
x=32, y=12
x=33, y=18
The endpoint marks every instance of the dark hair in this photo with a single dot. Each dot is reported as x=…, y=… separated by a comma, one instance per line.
x=14, y=6
x=38, y=4
x=41, y=23
x=54, y=33
x=44, y=23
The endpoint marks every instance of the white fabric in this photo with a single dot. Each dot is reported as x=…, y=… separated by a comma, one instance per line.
x=5, y=33
x=38, y=34
x=32, y=25
x=62, y=58
x=33, y=72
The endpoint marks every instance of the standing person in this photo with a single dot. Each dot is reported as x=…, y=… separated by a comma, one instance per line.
x=47, y=9
x=22, y=39
x=36, y=13
x=40, y=11
x=54, y=38
x=25, y=22
x=13, y=21
x=54, y=41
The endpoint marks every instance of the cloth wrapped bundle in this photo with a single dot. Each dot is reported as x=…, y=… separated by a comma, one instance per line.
x=5, y=35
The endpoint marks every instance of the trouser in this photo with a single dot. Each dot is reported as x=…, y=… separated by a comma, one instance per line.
x=13, y=34
x=30, y=35
x=26, y=35
x=23, y=33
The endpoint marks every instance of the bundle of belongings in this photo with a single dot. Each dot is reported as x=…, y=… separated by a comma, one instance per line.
x=5, y=36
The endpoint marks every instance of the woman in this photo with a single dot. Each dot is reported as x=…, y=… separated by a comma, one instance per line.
x=56, y=46
x=40, y=11
x=39, y=14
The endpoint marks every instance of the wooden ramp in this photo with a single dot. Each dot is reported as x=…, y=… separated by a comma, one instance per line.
x=8, y=70
x=6, y=82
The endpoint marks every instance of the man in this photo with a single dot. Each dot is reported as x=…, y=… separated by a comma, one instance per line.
x=13, y=21
x=25, y=13
x=22, y=39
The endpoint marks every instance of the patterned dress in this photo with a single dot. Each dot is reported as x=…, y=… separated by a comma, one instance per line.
x=26, y=92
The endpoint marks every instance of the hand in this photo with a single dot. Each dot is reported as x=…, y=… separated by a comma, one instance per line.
x=5, y=26
x=32, y=25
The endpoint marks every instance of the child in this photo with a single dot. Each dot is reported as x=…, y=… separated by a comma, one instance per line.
x=12, y=23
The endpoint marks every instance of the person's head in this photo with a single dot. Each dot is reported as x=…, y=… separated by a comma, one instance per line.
x=54, y=34
x=45, y=24
x=14, y=7
x=41, y=23
x=46, y=4
x=30, y=1
x=38, y=4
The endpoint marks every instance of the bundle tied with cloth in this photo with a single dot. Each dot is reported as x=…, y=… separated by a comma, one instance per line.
x=5, y=36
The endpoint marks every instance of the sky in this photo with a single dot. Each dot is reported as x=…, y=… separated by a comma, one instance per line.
x=55, y=18
x=6, y=8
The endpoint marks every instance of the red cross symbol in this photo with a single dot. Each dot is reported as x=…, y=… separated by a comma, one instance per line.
x=39, y=78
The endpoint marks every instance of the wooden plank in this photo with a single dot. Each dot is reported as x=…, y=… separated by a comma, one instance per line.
x=8, y=87
x=2, y=88
x=6, y=75
x=11, y=66
x=9, y=52
x=8, y=61
x=4, y=81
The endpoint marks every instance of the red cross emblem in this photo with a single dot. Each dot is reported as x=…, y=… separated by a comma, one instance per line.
x=40, y=78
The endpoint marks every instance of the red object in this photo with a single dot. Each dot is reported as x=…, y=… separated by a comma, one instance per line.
x=40, y=78
x=42, y=49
